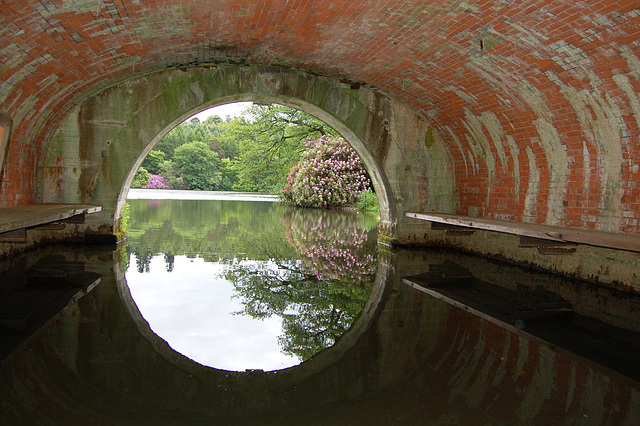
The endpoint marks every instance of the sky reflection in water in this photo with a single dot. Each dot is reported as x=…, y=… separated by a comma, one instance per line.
x=193, y=312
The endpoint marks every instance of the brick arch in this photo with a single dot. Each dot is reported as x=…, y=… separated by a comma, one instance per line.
x=536, y=101
x=526, y=111
x=95, y=153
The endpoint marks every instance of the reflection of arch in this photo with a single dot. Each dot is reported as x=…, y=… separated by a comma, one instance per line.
x=418, y=361
x=378, y=177
x=383, y=280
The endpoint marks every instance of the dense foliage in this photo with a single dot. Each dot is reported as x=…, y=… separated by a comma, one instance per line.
x=320, y=296
x=251, y=153
x=198, y=165
x=369, y=202
x=141, y=179
x=270, y=149
x=329, y=175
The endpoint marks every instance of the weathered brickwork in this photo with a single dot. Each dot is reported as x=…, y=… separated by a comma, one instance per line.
x=535, y=100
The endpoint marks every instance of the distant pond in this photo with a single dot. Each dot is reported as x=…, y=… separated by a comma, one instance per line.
x=240, y=282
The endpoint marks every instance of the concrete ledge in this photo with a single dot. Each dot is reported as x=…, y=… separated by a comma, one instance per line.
x=20, y=217
x=559, y=234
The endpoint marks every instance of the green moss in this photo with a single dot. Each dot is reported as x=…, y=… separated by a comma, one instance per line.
x=488, y=42
x=122, y=223
x=386, y=239
x=429, y=138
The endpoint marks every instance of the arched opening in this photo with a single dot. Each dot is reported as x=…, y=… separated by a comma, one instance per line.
x=114, y=131
x=104, y=140
x=377, y=176
x=306, y=292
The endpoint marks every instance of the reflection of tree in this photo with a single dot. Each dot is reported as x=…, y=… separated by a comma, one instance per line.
x=320, y=295
x=143, y=258
x=313, y=268
x=315, y=312
x=168, y=260
x=211, y=230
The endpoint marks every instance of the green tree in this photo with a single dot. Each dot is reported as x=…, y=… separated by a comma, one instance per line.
x=257, y=174
x=229, y=174
x=171, y=178
x=271, y=139
x=172, y=140
x=276, y=125
x=141, y=178
x=198, y=166
x=261, y=147
x=154, y=161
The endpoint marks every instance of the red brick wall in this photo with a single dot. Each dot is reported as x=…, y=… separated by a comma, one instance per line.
x=537, y=100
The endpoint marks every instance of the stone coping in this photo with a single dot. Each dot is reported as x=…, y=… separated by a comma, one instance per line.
x=13, y=218
x=619, y=241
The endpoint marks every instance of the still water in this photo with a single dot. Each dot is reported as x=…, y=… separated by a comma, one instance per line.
x=245, y=283
x=421, y=336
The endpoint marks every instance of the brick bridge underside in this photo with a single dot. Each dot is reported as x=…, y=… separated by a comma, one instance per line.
x=524, y=111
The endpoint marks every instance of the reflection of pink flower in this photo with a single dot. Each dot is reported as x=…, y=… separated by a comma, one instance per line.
x=335, y=247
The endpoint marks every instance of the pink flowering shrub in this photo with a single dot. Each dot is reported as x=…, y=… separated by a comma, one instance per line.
x=157, y=182
x=330, y=174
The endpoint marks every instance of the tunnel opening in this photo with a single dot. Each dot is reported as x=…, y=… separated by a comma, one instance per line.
x=256, y=151
x=379, y=187
x=288, y=282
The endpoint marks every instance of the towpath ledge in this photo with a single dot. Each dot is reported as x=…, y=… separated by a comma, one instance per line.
x=14, y=221
x=550, y=233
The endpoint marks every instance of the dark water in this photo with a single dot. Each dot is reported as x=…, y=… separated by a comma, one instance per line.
x=411, y=336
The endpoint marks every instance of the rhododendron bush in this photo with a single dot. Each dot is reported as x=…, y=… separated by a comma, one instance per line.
x=157, y=182
x=329, y=175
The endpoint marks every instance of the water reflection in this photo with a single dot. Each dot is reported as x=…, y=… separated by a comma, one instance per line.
x=333, y=244
x=408, y=359
x=203, y=269
x=192, y=310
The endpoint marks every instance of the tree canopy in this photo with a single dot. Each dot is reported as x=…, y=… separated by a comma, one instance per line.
x=270, y=149
x=254, y=152
x=198, y=165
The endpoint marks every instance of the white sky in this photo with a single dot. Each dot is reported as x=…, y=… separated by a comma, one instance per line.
x=190, y=308
x=232, y=110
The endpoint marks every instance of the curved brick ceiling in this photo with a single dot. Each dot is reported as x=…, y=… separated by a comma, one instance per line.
x=521, y=91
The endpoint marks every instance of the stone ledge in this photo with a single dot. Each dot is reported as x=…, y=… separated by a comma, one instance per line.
x=559, y=234
x=21, y=217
